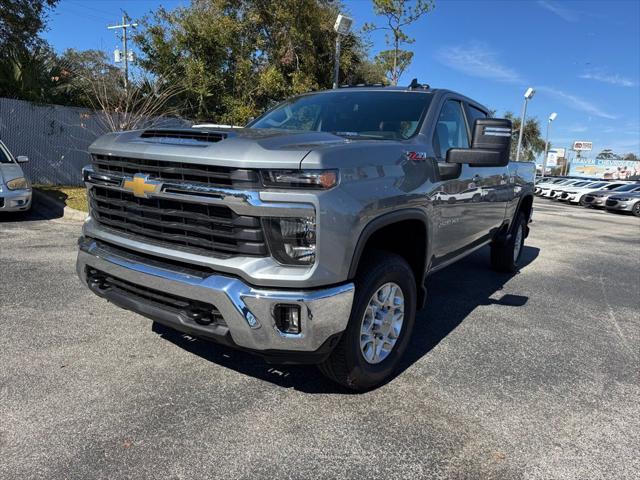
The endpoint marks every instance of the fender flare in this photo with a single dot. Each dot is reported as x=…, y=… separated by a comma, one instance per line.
x=384, y=221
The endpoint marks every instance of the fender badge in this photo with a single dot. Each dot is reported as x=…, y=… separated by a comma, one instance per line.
x=416, y=156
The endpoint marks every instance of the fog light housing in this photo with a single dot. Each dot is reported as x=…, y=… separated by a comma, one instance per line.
x=287, y=317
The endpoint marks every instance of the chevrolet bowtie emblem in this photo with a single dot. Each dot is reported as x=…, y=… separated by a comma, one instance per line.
x=141, y=186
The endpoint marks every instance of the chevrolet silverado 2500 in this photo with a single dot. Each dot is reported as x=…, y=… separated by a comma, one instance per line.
x=305, y=237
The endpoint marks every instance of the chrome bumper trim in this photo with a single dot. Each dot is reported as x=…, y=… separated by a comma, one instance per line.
x=246, y=310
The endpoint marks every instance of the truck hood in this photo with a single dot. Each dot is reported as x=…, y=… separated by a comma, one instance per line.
x=232, y=147
x=9, y=171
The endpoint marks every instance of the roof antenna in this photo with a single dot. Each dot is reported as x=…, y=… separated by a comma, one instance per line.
x=414, y=84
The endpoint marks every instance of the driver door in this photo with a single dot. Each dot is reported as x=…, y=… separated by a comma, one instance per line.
x=454, y=198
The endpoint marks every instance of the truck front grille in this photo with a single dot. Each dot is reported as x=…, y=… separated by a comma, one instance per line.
x=197, y=227
x=179, y=172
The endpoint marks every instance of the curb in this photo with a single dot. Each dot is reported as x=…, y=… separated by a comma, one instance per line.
x=55, y=208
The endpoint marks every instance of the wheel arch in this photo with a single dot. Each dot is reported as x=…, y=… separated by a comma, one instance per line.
x=389, y=232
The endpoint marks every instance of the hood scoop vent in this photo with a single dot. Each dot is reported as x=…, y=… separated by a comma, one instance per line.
x=183, y=137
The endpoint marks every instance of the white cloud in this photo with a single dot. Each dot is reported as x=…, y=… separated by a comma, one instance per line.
x=613, y=79
x=559, y=10
x=478, y=60
x=576, y=102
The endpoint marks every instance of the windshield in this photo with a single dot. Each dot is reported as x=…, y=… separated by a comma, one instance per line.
x=4, y=155
x=626, y=188
x=597, y=185
x=380, y=115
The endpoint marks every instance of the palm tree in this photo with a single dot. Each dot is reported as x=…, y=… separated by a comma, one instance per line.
x=532, y=141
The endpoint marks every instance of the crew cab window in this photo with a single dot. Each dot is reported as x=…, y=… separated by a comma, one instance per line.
x=451, y=129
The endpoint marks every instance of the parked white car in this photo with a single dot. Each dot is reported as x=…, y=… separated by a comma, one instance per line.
x=545, y=190
x=575, y=195
x=15, y=189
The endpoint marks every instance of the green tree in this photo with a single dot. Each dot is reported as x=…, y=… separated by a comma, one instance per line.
x=27, y=65
x=607, y=154
x=398, y=15
x=21, y=22
x=234, y=58
x=532, y=140
x=392, y=65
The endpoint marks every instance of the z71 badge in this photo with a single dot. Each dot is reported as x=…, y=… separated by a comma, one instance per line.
x=416, y=156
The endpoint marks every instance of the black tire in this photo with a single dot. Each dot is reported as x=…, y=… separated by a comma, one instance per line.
x=583, y=203
x=346, y=365
x=636, y=209
x=503, y=254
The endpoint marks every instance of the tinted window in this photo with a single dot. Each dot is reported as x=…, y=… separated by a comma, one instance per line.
x=451, y=130
x=627, y=188
x=381, y=115
x=473, y=114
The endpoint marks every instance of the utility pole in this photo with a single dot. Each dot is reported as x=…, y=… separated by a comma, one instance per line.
x=125, y=53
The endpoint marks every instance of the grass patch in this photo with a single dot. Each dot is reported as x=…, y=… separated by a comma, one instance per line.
x=74, y=197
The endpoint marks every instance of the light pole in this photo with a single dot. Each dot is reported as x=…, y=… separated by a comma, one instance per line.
x=552, y=117
x=528, y=95
x=342, y=27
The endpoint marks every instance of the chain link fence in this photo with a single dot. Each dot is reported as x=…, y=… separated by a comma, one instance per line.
x=55, y=138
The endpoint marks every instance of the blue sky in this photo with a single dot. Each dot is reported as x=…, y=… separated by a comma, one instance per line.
x=582, y=57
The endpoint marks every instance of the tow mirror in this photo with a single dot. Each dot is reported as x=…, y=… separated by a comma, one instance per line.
x=490, y=146
x=22, y=159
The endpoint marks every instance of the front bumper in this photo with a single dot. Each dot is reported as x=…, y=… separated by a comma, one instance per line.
x=621, y=205
x=15, y=200
x=247, y=311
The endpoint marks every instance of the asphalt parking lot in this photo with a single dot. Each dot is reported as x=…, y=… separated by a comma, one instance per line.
x=534, y=376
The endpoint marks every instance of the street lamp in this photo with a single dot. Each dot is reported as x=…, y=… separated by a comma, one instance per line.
x=528, y=95
x=342, y=27
x=552, y=117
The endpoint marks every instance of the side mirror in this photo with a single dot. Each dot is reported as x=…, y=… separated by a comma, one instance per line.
x=490, y=146
x=22, y=159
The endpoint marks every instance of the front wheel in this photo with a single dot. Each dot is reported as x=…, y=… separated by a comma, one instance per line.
x=636, y=209
x=380, y=326
x=505, y=256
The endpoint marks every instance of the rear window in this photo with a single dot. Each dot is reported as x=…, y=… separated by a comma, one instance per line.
x=378, y=114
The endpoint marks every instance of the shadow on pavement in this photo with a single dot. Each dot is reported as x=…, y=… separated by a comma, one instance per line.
x=453, y=294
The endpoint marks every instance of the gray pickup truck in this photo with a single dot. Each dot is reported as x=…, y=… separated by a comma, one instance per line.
x=305, y=237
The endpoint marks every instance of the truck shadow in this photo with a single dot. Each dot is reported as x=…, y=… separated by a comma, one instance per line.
x=446, y=309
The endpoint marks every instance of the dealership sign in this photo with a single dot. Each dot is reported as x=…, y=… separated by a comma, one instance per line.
x=582, y=146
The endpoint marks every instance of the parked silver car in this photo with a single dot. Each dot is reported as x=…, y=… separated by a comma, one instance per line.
x=624, y=202
x=15, y=189
x=598, y=199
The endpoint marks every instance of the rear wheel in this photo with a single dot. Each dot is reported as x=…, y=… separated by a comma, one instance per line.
x=380, y=325
x=505, y=256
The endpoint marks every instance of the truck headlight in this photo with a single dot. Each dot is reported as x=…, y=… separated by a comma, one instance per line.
x=19, y=183
x=292, y=241
x=316, y=179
